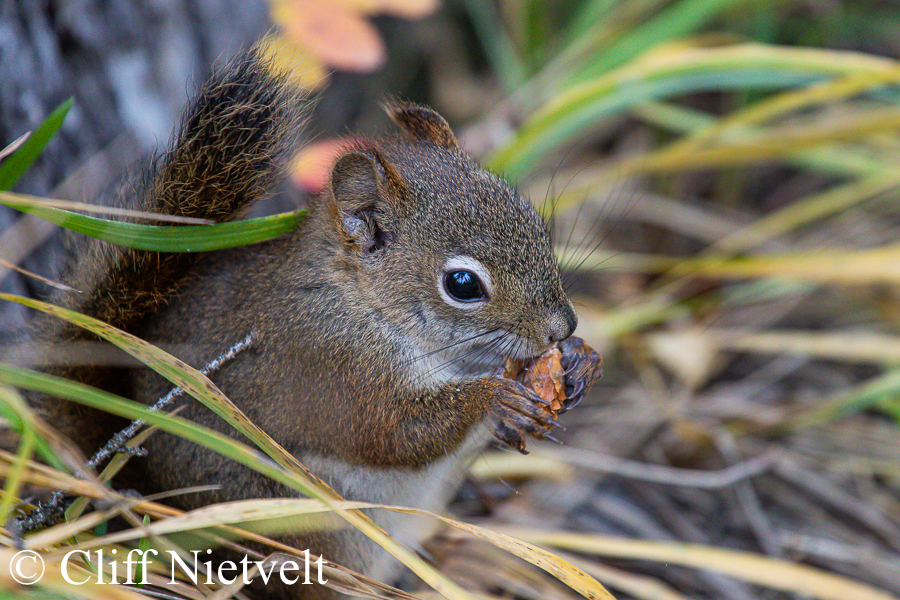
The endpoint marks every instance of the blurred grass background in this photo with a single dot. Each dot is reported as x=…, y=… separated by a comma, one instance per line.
x=722, y=180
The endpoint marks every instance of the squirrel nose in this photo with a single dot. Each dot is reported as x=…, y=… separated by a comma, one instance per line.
x=562, y=323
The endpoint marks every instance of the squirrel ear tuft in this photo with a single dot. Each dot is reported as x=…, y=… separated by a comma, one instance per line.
x=422, y=123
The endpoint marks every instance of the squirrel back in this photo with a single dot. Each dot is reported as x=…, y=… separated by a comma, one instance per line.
x=231, y=147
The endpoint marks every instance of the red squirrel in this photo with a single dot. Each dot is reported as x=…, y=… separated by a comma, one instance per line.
x=379, y=324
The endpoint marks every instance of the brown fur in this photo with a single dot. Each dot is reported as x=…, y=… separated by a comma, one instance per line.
x=346, y=311
x=230, y=148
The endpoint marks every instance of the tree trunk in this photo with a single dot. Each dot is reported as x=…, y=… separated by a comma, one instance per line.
x=126, y=65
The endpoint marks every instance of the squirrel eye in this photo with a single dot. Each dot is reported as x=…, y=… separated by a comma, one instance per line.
x=464, y=286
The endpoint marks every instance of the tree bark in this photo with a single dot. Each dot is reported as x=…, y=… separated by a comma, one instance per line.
x=125, y=64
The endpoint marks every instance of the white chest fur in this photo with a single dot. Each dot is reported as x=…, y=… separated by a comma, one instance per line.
x=429, y=488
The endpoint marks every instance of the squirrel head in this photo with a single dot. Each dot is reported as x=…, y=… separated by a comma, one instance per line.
x=447, y=253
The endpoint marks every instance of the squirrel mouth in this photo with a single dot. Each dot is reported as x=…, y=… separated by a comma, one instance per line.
x=485, y=356
x=491, y=355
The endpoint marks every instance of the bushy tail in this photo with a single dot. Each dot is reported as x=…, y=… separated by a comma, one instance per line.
x=231, y=148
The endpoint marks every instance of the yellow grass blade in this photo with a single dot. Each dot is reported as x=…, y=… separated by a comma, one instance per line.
x=575, y=578
x=507, y=465
x=26, y=200
x=27, y=273
x=639, y=586
x=753, y=568
x=808, y=210
x=780, y=105
x=851, y=347
x=244, y=511
x=43, y=476
x=832, y=267
x=579, y=106
x=836, y=267
x=771, y=146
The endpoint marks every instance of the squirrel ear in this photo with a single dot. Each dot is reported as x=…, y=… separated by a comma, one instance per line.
x=354, y=180
x=422, y=123
x=363, y=175
x=361, y=181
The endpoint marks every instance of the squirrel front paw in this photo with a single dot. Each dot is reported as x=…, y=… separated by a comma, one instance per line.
x=582, y=367
x=518, y=411
x=532, y=394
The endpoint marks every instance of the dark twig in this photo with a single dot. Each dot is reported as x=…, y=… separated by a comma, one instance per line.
x=643, y=471
x=748, y=500
x=119, y=440
x=52, y=511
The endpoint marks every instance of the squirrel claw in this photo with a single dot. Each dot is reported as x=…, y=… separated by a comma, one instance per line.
x=518, y=411
x=510, y=437
x=553, y=439
x=571, y=402
x=575, y=389
x=582, y=367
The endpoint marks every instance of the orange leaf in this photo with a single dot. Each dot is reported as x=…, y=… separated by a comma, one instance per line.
x=338, y=35
x=312, y=165
x=408, y=9
x=288, y=56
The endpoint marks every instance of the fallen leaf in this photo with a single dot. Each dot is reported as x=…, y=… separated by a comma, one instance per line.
x=287, y=56
x=338, y=35
x=312, y=165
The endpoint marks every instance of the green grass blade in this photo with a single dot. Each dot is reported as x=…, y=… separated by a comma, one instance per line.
x=13, y=484
x=552, y=128
x=498, y=46
x=588, y=18
x=165, y=238
x=58, y=387
x=678, y=20
x=14, y=166
x=20, y=419
x=681, y=71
